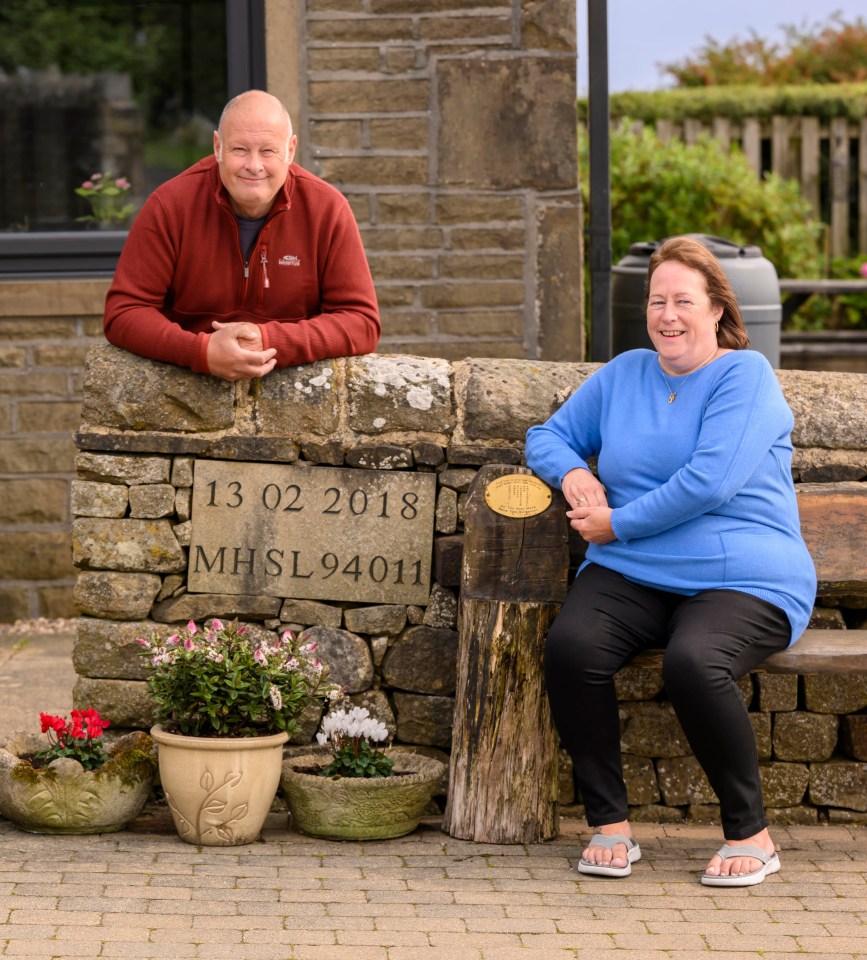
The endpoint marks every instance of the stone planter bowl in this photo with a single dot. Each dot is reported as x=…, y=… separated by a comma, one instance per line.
x=348, y=808
x=65, y=798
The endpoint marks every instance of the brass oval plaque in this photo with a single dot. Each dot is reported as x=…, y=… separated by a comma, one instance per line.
x=518, y=495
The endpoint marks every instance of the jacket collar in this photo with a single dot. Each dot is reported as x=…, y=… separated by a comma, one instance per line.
x=282, y=202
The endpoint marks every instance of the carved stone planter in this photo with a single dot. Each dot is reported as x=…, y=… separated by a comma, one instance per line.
x=65, y=798
x=348, y=808
x=218, y=789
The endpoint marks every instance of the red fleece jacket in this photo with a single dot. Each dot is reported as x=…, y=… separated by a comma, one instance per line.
x=307, y=285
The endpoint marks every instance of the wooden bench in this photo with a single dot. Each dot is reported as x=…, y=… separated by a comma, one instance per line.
x=817, y=651
x=834, y=526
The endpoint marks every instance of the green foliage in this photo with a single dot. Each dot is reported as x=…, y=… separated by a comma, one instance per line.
x=844, y=311
x=362, y=761
x=221, y=682
x=817, y=53
x=662, y=189
x=736, y=102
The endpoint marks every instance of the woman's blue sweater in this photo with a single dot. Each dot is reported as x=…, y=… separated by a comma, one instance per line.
x=701, y=489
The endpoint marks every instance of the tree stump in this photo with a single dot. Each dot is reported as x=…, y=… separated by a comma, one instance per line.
x=503, y=774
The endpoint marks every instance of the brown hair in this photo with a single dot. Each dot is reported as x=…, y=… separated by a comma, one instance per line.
x=731, y=332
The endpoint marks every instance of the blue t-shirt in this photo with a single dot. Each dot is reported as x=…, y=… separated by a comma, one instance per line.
x=701, y=488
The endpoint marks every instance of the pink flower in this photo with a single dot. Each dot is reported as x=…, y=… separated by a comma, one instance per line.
x=192, y=628
x=863, y=270
x=189, y=644
x=216, y=624
x=122, y=183
x=87, y=185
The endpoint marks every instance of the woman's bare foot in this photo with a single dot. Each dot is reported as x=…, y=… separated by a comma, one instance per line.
x=738, y=866
x=616, y=856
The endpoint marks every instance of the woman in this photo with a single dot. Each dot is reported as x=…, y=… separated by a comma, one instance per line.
x=694, y=546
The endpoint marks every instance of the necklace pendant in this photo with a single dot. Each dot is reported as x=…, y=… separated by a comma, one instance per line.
x=672, y=397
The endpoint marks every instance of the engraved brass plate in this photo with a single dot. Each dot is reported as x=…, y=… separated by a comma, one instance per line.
x=518, y=495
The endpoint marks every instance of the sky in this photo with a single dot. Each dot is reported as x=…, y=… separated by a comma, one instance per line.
x=642, y=33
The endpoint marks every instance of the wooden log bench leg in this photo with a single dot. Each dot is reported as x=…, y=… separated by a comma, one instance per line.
x=503, y=774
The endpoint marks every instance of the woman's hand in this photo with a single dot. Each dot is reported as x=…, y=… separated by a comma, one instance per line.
x=582, y=489
x=593, y=523
x=590, y=514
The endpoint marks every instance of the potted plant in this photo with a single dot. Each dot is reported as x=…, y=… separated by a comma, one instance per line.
x=75, y=784
x=227, y=699
x=361, y=793
x=109, y=201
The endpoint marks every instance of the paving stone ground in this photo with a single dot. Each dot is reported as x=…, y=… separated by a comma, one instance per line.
x=143, y=893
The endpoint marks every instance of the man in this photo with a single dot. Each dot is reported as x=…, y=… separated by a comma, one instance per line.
x=244, y=262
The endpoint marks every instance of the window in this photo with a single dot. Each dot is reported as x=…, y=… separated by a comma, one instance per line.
x=127, y=90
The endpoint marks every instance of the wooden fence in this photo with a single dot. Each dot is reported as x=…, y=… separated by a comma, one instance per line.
x=827, y=157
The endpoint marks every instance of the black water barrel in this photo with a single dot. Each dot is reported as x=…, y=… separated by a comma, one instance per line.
x=752, y=276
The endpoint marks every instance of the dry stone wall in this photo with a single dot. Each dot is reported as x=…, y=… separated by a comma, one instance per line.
x=146, y=428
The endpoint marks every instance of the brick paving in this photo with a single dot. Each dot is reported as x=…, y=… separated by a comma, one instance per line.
x=143, y=893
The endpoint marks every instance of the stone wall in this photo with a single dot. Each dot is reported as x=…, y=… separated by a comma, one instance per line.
x=145, y=426
x=45, y=332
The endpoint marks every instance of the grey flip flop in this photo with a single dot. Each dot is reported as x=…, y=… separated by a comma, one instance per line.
x=770, y=864
x=633, y=853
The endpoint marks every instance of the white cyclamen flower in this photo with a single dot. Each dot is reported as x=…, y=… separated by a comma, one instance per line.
x=355, y=723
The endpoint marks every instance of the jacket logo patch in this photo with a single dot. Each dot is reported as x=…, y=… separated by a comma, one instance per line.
x=290, y=260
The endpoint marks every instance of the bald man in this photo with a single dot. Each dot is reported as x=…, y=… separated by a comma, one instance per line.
x=244, y=262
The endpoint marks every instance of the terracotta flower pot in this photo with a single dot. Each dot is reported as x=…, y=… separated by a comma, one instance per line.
x=65, y=798
x=219, y=789
x=350, y=808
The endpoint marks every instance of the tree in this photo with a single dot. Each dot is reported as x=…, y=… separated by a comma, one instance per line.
x=833, y=52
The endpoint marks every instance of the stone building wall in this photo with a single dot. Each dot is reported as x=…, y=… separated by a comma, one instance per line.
x=451, y=128
x=147, y=427
x=45, y=332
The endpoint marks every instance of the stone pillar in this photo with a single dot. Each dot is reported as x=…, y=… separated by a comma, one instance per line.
x=453, y=134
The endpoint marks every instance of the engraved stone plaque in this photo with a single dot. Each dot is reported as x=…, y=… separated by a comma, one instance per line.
x=326, y=533
x=518, y=495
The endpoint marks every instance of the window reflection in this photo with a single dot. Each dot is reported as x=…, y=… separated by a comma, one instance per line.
x=128, y=89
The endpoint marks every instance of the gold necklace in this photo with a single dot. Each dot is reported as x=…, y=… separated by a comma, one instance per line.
x=672, y=394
